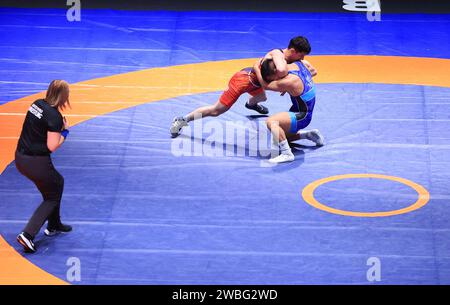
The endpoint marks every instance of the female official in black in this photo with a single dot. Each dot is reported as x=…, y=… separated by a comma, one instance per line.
x=43, y=132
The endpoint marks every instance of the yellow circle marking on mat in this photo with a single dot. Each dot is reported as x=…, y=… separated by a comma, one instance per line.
x=308, y=195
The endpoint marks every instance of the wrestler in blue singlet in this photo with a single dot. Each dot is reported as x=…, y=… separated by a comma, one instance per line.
x=302, y=105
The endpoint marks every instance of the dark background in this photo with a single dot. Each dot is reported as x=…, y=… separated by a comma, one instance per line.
x=387, y=6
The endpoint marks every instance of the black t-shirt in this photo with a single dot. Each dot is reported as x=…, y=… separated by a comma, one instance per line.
x=40, y=118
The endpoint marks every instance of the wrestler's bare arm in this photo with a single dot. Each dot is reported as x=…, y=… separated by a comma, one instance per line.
x=279, y=61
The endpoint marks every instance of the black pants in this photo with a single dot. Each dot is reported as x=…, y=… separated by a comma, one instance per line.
x=49, y=182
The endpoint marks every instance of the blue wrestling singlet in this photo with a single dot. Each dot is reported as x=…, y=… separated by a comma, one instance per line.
x=302, y=105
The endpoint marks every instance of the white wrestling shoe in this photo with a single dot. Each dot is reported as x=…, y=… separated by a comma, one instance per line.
x=315, y=136
x=177, y=124
x=283, y=157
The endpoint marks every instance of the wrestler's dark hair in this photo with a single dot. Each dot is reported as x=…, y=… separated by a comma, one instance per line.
x=267, y=69
x=300, y=44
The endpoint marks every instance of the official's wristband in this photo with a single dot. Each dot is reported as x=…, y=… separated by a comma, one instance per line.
x=65, y=133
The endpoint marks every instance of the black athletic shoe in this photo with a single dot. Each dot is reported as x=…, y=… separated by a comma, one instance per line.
x=258, y=108
x=61, y=228
x=27, y=242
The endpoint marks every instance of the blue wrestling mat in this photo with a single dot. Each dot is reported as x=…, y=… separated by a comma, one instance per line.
x=143, y=215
